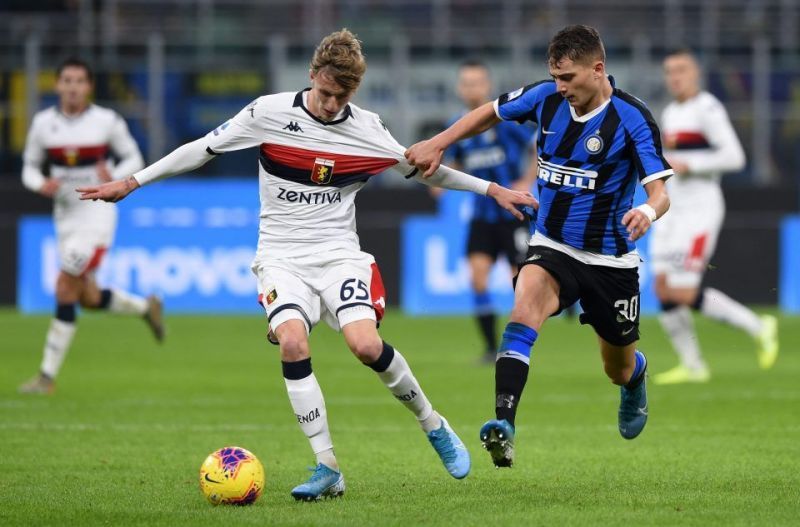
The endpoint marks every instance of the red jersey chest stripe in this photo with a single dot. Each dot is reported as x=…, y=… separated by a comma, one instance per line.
x=302, y=159
x=688, y=138
x=77, y=153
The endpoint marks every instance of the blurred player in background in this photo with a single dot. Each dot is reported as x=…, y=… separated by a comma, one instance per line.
x=70, y=145
x=495, y=155
x=701, y=145
x=596, y=143
x=316, y=152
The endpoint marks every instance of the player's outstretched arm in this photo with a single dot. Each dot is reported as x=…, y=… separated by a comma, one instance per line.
x=183, y=159
x=427, y=155
x=639, y=219
x=510, y=200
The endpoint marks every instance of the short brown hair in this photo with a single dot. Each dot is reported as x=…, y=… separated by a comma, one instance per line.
x=578, y=43
x=339, y=55
x=74, y=62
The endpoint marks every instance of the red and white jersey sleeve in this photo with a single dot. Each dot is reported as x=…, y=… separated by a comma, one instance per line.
x=70, y=148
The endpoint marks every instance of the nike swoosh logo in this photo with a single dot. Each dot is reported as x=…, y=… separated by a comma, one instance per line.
x=643, y=411
x=626, y=332
x=548, y=132
x=211, y=480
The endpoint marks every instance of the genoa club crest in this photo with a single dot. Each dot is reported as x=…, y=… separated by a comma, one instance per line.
x=322, y=172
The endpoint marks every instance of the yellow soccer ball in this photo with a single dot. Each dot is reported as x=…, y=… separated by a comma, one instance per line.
x=232, y=475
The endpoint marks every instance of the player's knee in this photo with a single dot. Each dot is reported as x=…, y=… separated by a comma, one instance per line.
x=67, y=289
x=293, y=344
x=367, y=350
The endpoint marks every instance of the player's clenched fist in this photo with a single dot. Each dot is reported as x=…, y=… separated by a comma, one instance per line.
x=112, y=191
x=426, y=156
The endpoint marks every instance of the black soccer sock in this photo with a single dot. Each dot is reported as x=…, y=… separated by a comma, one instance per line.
x=486, y=323
x=511, y=369
x=105, y=299
x=510, y=376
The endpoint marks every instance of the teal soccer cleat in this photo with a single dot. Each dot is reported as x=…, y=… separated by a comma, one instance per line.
x=323, y=483
x=497, y=437
x=451, y=450
x=633, y=410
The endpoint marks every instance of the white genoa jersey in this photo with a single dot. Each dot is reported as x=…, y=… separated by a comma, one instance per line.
x=309, y=172
x=72, y=146
x=698, y=132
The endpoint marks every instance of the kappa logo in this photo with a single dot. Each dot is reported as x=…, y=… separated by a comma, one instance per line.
x=322, y=172
x=293, y=127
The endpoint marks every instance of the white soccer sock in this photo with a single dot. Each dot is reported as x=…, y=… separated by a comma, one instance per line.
x=721, y=307
x=59, y=337
x=125, y=303
x=404, y=386
x=679, y=326
x=309, y=408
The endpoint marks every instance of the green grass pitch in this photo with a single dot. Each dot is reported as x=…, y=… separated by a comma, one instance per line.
x=122, y=439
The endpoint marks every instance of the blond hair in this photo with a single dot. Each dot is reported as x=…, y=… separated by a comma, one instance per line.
x=339, y=56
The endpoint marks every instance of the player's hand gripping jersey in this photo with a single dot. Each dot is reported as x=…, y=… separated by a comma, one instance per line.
x=71, y=147
x=310, y=171
x=588, y=165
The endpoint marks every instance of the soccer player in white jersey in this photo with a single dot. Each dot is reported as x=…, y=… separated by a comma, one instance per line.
x=73, y=141
x=316, y=152
x=701, y=145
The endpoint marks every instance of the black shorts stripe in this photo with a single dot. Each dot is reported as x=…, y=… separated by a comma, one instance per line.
x=353, y=304
x=296, y=307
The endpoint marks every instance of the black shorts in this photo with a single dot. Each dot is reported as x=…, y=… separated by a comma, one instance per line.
x=609, y=296
x=505, y=237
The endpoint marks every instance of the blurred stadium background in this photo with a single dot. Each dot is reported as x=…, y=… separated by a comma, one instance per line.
x=176, y=69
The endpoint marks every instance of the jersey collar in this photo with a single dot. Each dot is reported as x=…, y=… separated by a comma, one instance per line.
x=298, y=101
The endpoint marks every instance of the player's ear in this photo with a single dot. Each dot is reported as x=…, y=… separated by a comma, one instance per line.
x=311, y=75
x=599, y=69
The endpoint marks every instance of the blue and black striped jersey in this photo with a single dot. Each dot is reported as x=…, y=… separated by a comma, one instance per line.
x=588, y=165
x=495, y=155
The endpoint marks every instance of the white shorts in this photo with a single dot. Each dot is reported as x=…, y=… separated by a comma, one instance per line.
x=339, y=292
x=81, y=252
x=683, y=242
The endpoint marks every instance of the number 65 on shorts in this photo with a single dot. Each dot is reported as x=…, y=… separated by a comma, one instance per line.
x=338, y=293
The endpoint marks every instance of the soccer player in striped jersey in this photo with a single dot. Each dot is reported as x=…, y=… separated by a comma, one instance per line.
x=596, y=143
x=73, y=142
x=317, y=150
x=700, y=144
x=495, y=155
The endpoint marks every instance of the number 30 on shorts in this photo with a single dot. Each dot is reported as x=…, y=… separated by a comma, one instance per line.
x=353, y=289
x=629, y=309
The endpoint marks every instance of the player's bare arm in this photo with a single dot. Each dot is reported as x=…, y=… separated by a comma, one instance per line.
x=427, y=155
x=183, y=159
x=639, y=219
